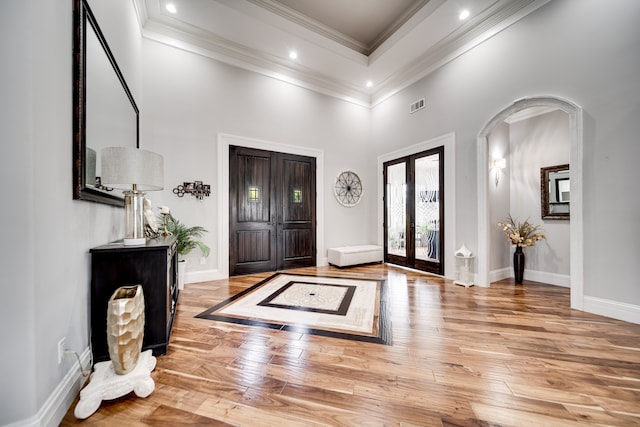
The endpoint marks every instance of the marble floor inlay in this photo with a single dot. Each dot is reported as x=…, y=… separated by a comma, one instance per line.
x=335, y=306
x=316, y=297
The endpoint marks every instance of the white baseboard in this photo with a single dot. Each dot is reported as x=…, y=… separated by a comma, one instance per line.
x=60, y=400
x=501, y=273
x=549, y=278
x=202, y=276
x=602, y=307
x=613, y=309
x=533, y=275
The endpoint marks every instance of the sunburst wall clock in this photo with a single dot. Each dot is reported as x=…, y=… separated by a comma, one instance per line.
x=348, y=189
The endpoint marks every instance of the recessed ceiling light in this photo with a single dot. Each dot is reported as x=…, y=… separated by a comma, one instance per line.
x=464, y=15
x=171, y=8
x=293, y=54
x=369, y=83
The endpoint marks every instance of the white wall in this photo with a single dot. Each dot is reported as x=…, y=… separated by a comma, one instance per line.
x=540, y=55
x=499, y=200
x=537, y=142
x=528, y=145
x=190, y=99
x=45, y=261
x=583, y=50
x=16, y=166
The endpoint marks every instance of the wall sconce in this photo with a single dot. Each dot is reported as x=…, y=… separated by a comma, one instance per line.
x=498, y=165
x=195, y=188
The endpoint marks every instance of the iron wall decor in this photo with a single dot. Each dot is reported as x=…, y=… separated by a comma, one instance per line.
x=195, y=188
x=348, y=189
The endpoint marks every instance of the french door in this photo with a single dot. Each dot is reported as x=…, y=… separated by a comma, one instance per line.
x=272, y=211
x=414, y=211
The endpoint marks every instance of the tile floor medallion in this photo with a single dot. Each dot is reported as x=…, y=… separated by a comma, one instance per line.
x=348, y=308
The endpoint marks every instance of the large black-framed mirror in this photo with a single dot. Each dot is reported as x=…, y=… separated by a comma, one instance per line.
x=104, y=111
x=555, y=192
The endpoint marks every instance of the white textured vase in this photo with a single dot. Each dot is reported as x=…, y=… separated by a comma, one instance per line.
x=125, y=327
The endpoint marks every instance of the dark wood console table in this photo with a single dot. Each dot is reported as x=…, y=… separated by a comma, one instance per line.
x=154, y=266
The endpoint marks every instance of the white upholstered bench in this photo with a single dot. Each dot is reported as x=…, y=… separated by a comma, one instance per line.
x=352, y=255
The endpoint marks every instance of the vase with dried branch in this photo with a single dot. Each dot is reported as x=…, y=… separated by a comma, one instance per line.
x=520, y=234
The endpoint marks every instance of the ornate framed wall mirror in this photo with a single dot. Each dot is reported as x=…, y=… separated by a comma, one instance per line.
x=555, y=191
x=104, y=111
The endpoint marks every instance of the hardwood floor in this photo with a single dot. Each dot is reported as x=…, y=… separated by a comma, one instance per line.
x=501, y=356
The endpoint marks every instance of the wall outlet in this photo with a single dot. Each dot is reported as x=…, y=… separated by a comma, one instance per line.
x=203, y=260
x=61, y=346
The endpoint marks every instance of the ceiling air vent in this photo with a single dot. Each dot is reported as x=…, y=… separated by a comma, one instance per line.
x=415, y=106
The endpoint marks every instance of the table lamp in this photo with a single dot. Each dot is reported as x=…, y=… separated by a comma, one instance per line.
x=135, y=171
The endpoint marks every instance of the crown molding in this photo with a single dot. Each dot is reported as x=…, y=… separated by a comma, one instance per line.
x=142, y=14
x=210, y=45
x=311, y=25
x=336, y=36
x=393, y=77
x=485, y=25
x=396, y=25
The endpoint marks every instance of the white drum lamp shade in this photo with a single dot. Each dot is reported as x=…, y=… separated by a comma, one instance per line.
x=135, y=171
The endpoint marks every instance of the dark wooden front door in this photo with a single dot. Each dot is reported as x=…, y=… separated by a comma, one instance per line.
x=272, y=205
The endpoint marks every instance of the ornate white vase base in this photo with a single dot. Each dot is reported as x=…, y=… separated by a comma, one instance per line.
x=107, y=385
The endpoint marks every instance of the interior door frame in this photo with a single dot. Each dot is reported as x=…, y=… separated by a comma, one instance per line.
x=226, y=140
x=576, y=225
x=450, y=243
x=410, y=259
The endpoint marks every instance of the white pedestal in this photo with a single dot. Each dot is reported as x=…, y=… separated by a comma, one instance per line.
x=105, y=384
x=465, y=275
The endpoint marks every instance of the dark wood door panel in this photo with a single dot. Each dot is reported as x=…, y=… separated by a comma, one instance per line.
x=254, y=246
x=298, y=244
x=252, y=236
x=254, y=184
x=297, y=237
x=254, y=252
x=272, y=204
x=298, y=194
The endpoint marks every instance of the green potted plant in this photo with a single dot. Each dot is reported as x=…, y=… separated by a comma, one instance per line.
x=188, y=238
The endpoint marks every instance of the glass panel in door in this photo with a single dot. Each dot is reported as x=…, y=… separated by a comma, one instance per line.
x=427, y=208
x=397, y=209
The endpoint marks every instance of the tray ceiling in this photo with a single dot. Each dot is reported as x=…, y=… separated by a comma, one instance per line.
x=340, y=45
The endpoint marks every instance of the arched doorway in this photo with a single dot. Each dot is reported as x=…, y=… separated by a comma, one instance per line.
x=574, y=112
